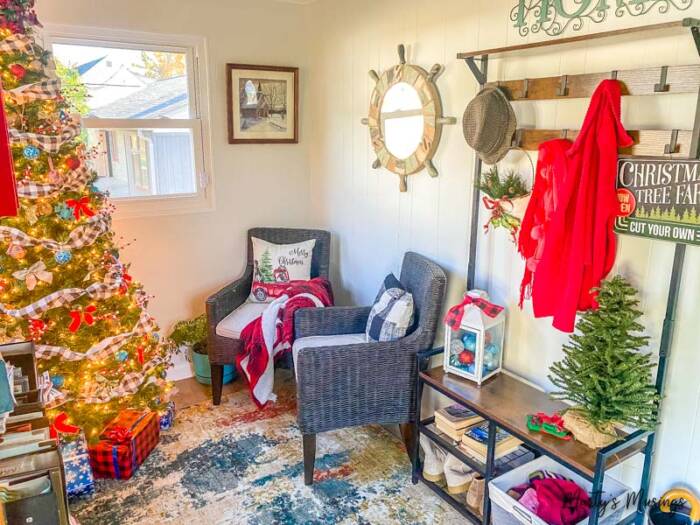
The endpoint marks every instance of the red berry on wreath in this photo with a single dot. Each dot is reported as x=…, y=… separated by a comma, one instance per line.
x=72, y=163
x=466, y=357
x=18, y=70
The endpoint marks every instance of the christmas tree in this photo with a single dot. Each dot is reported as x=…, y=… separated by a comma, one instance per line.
x=61, y=281
x=604, y=373
x=266, y=268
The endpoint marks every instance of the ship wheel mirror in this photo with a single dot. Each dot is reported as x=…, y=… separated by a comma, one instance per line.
x=405, y=119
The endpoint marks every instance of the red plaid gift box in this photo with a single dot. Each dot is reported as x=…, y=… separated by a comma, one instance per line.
x=124, y=444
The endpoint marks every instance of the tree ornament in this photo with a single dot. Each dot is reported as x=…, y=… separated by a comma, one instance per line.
x=122, y=356
x=31, y=215
x=37, y=328
x=80, y=207
x=63, y=257
x=466, y=357
x=63, y=211
x=469, y=341
x=4, y=285
x=16, y=251
x=57, y=380
x=36, y=66
x=72, y=163
x=44, y=208
x=604, y=373
x=140, y=354
x=18, y=70
x=31, y=152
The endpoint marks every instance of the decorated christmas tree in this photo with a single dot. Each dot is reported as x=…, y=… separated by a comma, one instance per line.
x=604, y=372
x=62, y=283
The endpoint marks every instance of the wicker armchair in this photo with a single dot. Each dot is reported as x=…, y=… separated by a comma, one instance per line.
x=223, y=350
x=362, y=383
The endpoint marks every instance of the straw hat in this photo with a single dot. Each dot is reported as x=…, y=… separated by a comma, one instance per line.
x=489, y=124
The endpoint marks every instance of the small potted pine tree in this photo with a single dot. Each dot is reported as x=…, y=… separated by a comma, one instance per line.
x=191, y=336
x=604, y=373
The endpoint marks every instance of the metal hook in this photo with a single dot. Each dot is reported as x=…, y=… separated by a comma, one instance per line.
x=563, y=86
x=402, y=54
x=672, y=147
x=662, y=85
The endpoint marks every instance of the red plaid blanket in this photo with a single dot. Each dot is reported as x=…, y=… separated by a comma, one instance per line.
x=271, y=335
x=124, y=444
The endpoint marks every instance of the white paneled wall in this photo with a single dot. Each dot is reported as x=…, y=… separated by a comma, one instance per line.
x=374, y=224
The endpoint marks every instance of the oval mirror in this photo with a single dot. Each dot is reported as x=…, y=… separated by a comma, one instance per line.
x=402, y=120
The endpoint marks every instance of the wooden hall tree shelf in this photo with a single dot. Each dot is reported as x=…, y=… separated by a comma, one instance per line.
x=685, y=143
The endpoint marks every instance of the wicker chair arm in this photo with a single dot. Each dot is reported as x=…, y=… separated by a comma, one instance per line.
x=229, y=298
x=334, y=320
x=339, y=386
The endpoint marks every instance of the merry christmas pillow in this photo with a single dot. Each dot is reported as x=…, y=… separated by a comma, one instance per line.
x=276, y=265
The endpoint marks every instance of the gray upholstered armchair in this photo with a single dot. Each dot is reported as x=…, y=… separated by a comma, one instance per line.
x=228, y=311
x=343, y=381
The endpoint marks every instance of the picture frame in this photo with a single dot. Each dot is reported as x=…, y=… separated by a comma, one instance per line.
x=263, y=104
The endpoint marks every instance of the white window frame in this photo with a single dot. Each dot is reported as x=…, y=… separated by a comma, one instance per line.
x=198, y=89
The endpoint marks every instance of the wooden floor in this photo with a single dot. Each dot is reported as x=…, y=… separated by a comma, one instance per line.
x=190, y=392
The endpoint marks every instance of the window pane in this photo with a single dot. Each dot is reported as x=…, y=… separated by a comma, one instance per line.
x=143, y=162
x=126, y=83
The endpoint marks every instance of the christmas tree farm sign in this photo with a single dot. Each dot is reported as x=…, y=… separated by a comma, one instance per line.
x=659, y=199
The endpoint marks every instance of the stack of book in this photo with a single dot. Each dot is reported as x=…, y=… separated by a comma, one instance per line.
x=454, y=420
x=475, y=440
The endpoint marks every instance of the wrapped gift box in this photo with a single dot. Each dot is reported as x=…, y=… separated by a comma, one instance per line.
x=125, y=444
x=76, y=462
x=167, y=419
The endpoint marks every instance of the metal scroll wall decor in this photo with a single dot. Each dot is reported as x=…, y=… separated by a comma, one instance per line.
x=553, y=17
x=405, y=119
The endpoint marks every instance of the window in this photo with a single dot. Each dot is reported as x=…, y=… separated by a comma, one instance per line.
x=143, y=113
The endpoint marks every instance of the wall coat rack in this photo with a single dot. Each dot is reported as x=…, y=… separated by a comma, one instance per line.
x=664, y=143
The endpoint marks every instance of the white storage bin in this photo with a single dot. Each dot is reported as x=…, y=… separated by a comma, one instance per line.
x=507, y=511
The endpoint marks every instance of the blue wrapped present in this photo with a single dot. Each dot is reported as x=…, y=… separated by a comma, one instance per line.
x=167, y=419
x=76, y=463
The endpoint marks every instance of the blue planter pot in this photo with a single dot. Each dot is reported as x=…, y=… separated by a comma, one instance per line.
x=202, y=371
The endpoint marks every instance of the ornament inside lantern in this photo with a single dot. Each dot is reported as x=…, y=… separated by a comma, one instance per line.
x=474, y=349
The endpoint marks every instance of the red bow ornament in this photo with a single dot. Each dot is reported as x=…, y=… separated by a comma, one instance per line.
x=60, y=426
x=118, y=435
x=79, y=317
x=126, y=281
x=454, y=316
x=80, y=207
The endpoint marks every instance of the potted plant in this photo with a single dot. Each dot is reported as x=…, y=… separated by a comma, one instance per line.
x=191, y=336
x=604, y=372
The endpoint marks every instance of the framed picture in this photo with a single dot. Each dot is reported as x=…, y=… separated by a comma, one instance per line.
x=263, y=104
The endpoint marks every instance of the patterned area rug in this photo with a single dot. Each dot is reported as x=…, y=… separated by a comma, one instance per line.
x=233, y=464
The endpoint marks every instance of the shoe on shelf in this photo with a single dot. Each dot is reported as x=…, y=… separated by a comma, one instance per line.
x=475, y=495
x=433, y=460
x=458, y=475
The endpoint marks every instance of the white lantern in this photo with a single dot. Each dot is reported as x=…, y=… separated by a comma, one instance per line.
x=475, y=350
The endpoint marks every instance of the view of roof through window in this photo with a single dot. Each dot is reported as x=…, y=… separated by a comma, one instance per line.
x=129, y=83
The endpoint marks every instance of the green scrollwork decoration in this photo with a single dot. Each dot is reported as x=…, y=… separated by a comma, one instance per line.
x=554, y=17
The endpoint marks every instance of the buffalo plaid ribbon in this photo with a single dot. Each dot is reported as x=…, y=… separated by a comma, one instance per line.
x=49, y=143
x=84, y=235
x=453, y=319
x=125, y=444
x=61, y=298
x=105, y=348
x=16, y=43
x=130, y=384
x=73, y=182
x=44, y=90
